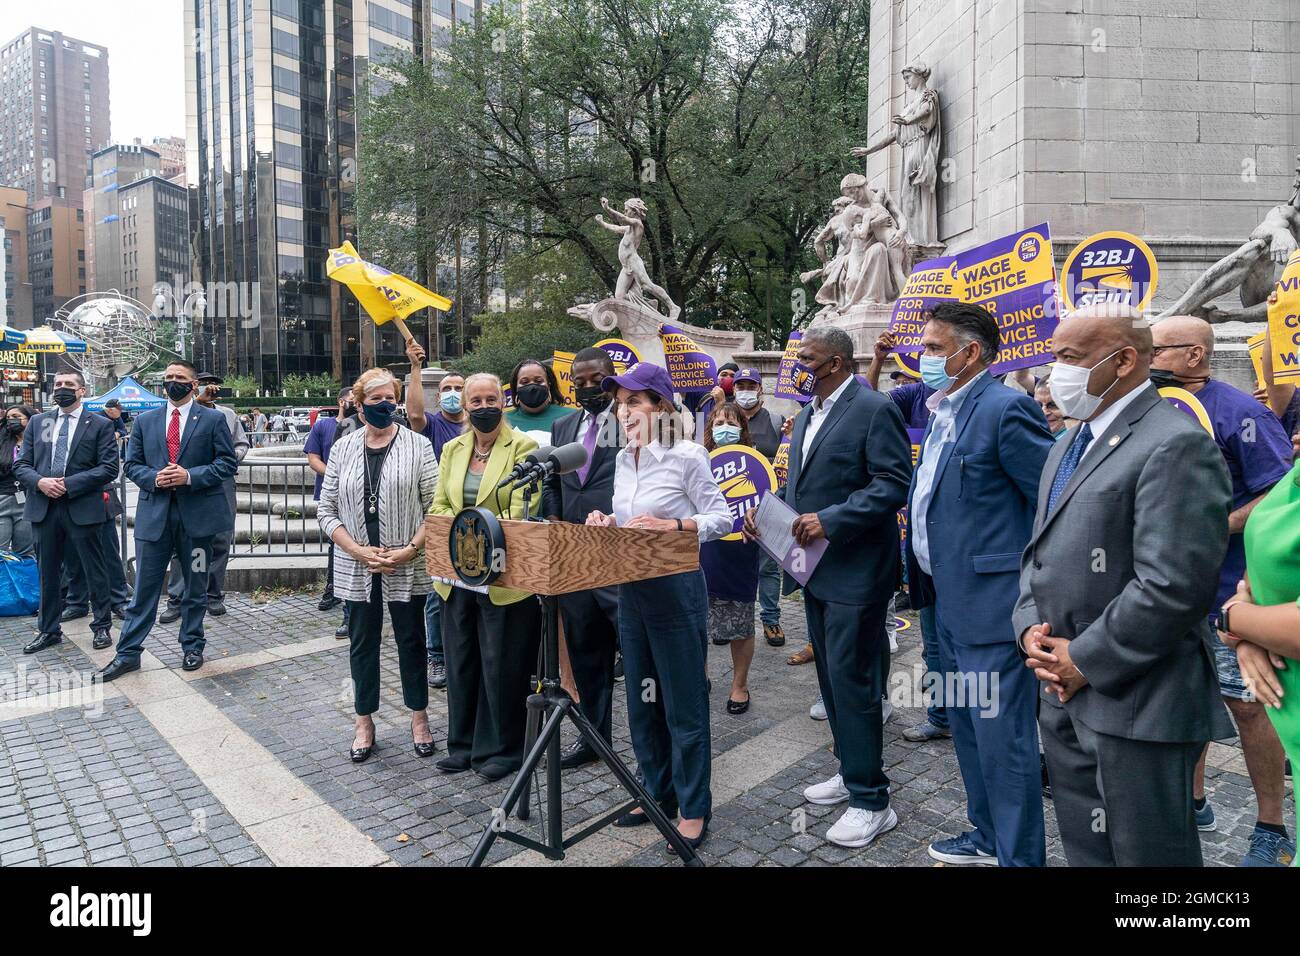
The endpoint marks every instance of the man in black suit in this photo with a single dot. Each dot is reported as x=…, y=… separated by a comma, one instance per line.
x=590, y=617
x=76, y=597
x=850, y=469
x=68, y=456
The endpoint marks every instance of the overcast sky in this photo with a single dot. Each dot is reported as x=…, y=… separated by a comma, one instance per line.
x=146, y=55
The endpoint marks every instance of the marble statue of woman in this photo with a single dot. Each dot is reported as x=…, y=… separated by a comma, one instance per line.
x=917, y=132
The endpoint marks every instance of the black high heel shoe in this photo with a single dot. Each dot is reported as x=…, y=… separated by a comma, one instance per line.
x=423, y=750
x=362, y=754
x=633, y=819
x=693, y=842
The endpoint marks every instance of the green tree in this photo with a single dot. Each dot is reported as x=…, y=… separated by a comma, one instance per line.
x=731, y=121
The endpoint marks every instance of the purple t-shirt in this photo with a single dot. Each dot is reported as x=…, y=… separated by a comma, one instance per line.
x=319, y=442
x=440, y=431
x=910, y=399
x=1258, y=453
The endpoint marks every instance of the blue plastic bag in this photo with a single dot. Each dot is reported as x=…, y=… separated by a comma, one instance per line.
x=20, y=585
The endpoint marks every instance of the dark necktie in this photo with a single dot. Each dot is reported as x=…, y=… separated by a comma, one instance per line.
x=174, y=436
x=61, y=447
x=1069, y=464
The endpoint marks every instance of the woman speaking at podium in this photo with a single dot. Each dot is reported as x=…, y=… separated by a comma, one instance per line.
x=663, y=482
x=489, y=640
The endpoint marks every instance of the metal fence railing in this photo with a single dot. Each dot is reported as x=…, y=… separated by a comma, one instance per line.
x=274, y=511
x=288, y=436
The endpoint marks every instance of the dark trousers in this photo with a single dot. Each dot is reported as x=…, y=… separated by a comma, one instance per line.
x=1120, y=802
x=491, y=652
x=216, y=572
x=663, y=627
x=591, y=635
x=58, y=537
x=937, y=713
x=996, y=738
x=78, y=595
x=852, y=657
x=365, y=627
x=152, y=559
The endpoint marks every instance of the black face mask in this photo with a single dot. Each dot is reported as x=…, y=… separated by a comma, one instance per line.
x=485, y=420
x=65, y=397
x=1163, y=378
x=178, y=391
x=13, y=426
x=533, y=396
x=380, y=415
x=593, y=398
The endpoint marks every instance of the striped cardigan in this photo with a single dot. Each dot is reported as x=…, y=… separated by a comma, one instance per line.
x=406, y=491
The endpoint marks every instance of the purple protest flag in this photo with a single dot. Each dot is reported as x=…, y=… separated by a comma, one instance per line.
x=689, y=366
x=793, y=379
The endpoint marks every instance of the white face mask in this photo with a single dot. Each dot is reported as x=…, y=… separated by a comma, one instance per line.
x=746, y=399
x=1069, y=385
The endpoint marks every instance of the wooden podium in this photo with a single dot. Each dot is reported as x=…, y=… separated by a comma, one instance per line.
x=550, y=559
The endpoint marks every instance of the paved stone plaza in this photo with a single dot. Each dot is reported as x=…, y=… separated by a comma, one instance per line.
x=245, y=763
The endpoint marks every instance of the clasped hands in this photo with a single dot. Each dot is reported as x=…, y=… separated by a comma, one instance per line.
x=384, y=560
x=52, y=487
x=645, y=522
x=173, y=476
x=1049, y=659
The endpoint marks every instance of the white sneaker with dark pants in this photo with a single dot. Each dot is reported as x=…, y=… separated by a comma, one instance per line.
x=828, y=793
x=858, y=827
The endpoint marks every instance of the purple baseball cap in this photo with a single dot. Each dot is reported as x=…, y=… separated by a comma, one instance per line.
x=641, y=377
x=748, y=375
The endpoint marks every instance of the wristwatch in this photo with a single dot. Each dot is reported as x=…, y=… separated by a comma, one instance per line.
x=1223, y=617
x=679, y=524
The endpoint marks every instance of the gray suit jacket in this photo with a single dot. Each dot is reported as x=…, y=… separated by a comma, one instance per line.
x=1127, y=565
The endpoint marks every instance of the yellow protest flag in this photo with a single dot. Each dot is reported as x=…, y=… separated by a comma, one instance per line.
x=385, y=295
x=562, y=366
x=1255, y=345
x=1284, y=324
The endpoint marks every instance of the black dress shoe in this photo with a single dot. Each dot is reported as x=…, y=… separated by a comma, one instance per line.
x=424, y=750
x=103, y=638
x=328, y=602
x=492, y=772
x=361, y=754
x=42, y=641
x=116, y=668
x=169, y=615
x=578, y=754
x=216, y=606
x=73, y=614
x=192, y=662
x=693, y=842
x=453, y=764
x=119, y=612
x=737, y=707
x=632, y=819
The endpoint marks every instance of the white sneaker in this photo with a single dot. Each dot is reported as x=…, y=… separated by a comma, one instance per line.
x=828, y=793
x=886, y=711
x=818, y=710
x=859, y=827
x=893, y=642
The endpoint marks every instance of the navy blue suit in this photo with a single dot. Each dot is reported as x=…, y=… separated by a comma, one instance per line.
x=855, y=478
x=979, y=518
x=180, y=521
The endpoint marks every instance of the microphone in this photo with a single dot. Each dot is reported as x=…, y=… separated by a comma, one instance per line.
x=525, y=468
x=555, y=461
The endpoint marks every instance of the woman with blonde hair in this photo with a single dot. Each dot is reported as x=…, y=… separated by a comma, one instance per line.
x=379, y=483
x=489, y=640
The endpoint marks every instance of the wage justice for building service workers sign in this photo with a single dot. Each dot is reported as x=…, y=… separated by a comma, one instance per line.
x=1013, y=278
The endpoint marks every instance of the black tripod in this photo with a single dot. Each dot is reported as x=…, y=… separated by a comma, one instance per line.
x=547, y=710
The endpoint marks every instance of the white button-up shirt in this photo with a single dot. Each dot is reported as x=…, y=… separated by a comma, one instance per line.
x=943, y=430
x=185, y=414
x=73, y=417
x=819, y=414
x=674, y=482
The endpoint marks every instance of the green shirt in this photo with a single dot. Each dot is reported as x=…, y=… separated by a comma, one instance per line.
x=526, y=421
x=1273, y=564
x=472, y=484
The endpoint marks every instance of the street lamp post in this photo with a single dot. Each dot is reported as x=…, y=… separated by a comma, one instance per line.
x=192, y=307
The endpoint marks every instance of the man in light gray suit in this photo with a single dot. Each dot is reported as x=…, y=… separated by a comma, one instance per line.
x=1115, y=583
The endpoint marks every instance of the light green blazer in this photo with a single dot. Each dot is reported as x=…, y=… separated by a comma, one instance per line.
x=510, y=448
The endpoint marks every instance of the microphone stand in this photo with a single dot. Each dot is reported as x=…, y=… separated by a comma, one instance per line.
x=547, y=709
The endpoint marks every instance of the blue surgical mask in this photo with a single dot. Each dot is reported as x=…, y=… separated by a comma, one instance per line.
x=450, y=402
x=726, y=434
x=379, y=415
x=934, y=371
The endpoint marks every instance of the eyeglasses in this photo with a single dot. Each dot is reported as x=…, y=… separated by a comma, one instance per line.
x=1156, y=350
